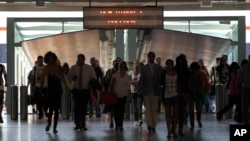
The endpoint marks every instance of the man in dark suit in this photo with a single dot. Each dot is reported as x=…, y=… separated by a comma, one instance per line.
x=149, y=87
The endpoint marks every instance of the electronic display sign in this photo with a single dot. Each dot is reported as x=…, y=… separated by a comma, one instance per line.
x=123, y=17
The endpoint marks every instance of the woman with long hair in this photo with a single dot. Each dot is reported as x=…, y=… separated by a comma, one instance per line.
x=170, y=97
x=120, y=85
x=52, y=71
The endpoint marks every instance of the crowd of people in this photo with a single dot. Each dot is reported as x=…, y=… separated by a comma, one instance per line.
x=176, y=85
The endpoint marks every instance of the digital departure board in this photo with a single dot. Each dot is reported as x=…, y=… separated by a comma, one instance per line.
x=123, y=17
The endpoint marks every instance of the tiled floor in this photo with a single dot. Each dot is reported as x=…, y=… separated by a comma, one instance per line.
x=98, y=130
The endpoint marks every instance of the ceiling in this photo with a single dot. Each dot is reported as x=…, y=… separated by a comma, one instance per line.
x=77, y=5
x=32, y=30
x=169, y=44
x=40, y=37
x=42, y=29
x=67, y=46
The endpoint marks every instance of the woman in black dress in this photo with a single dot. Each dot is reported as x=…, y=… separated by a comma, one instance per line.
x=52, y=71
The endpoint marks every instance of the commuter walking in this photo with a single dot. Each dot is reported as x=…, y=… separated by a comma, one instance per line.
x=233, y=93
x=31, y=83
x=39, y=92
x=149, y=87
x=137, y=99
x=214, y=77
x=205, y=98
x=238, y=116
x=3, y=83
x=94, y=103
x=183, y=74
x=120, y=85
x=244, y=77
x=197, y=85
x=223, y=70
x=158, y=61
x=170, y=97
x=81, y=74
x=53, y=73
x=109, y=108
x=66, y=100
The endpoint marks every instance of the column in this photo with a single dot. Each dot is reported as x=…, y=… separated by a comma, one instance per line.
x=119, y=43
x=132, y=44
x=241, y=38
x=10, y=58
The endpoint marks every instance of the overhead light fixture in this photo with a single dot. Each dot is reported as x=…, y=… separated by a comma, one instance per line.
x=40, y=4
x=206, y=3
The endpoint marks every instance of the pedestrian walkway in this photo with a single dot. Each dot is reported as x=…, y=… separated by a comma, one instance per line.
x=98, y=130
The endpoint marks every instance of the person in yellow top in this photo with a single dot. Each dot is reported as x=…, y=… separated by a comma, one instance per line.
x=54, y=75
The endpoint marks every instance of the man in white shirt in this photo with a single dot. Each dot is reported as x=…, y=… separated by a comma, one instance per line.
x=81, y=74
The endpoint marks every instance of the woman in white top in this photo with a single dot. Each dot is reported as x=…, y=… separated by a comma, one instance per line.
x=170, y=97
x=120, y=85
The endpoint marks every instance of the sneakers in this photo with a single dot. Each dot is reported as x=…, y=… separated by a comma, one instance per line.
x=111, y=125
x=119, y=129
x=55, y=131
x=218, y=116
x=47, y=127
x=34, y=111
x=77, y=127
x=40, y=117
x=138, y=123
x=1, y=119
x=192, y=128
x=199, y=124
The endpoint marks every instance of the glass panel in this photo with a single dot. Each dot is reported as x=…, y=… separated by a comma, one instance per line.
x=32, y=30
x=221, y=29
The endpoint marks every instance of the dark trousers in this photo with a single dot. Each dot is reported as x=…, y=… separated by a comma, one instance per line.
x=81, y=99
x=54, y=103
x=41, y=100
x=245, y=105
x=198, y=105
x=233, y=100
x=137, y=103
x=182, y=115
x=119, y=111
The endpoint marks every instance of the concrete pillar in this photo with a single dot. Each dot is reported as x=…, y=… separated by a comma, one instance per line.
x=10, y=58
x=241, y=38
x=119, y=43
x=132, y=44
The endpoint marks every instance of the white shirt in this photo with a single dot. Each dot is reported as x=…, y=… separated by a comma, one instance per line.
x=134, y=76
x=37, y=73
x=87, y=75
x=121, y=84
x=171, y=86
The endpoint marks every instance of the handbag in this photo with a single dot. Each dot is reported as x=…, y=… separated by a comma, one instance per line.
x=108, y=97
